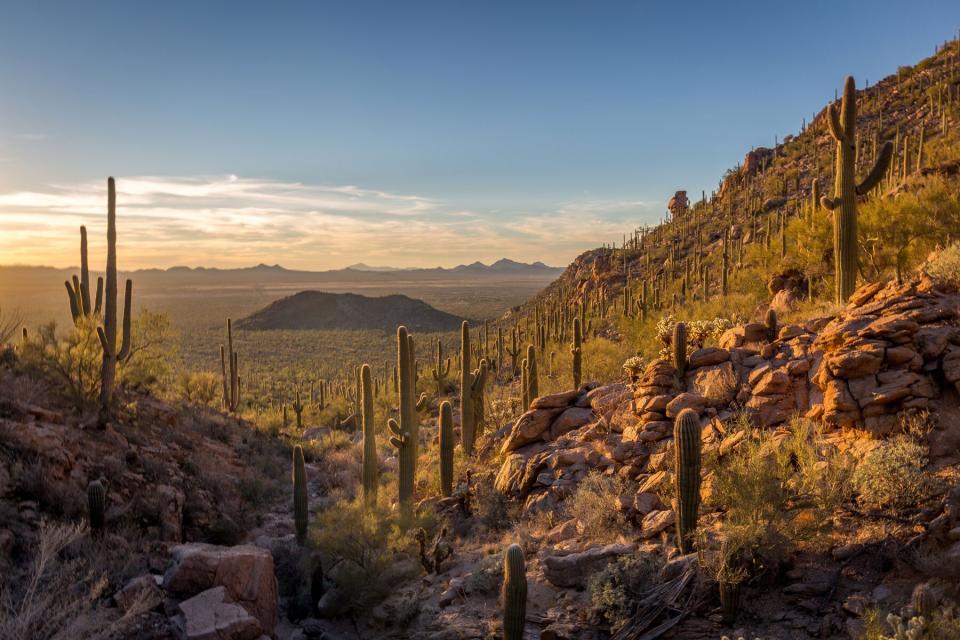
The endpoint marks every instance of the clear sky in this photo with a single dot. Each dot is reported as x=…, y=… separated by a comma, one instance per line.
x=318, y=134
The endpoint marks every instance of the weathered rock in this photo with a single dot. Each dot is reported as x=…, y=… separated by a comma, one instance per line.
x=573, y=570
x=717, y=383
x=686, y=401
x=246, y=572
x=529, y=427
x=706, y=357
x=213, y=615
x=556, y=400
x=656, y=521
x=572, y=418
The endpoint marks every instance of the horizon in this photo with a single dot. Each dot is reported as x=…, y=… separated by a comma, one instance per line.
x=321, y=136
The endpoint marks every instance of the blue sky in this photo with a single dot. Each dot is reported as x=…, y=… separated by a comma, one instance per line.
x=527, y=129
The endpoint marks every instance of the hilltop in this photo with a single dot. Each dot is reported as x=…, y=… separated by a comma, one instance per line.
x=321, y=310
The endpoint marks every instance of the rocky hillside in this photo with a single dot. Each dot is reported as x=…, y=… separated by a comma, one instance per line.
x=320, y=310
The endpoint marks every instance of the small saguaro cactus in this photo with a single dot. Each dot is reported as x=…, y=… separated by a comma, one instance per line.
x=96, y=507
x=533, y=389
x=524, y=380
x=467, y=426
x=576, y=350
x=108, y=332
x=229, y=371
x=771, y=322
x=440, y=369
x=514, y=593
x=370, y=479
x=679, y=344
x=300, y=513
x=445, y=423
x=686, y=440
x=843, y=128
x=476, y=390
x=298, y=409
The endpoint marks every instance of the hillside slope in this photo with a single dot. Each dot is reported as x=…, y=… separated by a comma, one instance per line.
x=321, y=310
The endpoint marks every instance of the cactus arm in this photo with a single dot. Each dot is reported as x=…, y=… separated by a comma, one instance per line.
x=72, y=297
x=84, y=273
x=421, y=402
x=125, y=343
x=879, y=169
x=99, y=303
x=833, y=119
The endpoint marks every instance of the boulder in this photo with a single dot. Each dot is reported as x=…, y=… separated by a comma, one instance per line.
x=213, y=615
x=656, y=521
x=529, y=427
x=706, y=357
x=716, y=383
x=245, y=572
x=574, y=569
x=556, y=400
x=140, y=594
x=686, y=401
x=572, y=418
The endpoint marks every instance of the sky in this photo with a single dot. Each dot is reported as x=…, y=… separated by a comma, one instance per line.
x=320, y=134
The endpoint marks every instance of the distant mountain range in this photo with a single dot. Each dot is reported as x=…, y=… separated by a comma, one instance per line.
x=322, y=310
x=267, y=275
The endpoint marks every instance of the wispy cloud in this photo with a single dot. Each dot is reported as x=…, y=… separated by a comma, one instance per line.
x=234, y=221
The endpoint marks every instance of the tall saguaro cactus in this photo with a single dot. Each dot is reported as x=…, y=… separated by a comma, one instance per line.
x=686, y=439
x=843, y=128
x=514, y=593
x=405, y=433
x=230, y=372
x=300, y=513
x=369, y=436
x=108, y=332
x=445, y=423
x=576, y=351
x=468, y=433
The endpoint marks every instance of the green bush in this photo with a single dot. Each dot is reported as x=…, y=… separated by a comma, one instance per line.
x=947, y=264
x=594, y=506
x=892, y=476
x=615, y=590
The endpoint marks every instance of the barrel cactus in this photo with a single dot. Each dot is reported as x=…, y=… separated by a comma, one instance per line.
x=686, y=440
x=97, y=507
x=771, y=322
x=514, y=593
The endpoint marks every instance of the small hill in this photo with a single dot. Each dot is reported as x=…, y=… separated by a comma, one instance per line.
x=322, y=310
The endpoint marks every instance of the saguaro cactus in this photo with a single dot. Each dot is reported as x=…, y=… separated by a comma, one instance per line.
x=441, y=368
x=96, y=507
x=78, y=293
x=843, y=128
x=370, y=479
x=533, y=387
x=686, y=440
x=230, y=372
x=405, y=433
x=476, y=391
x=514, y=593
x=576, y=351
x=108, y=332
x=467, y=426
x=679, y=344
x=300, y=513
x=771, y=322
x=445, y=423
x=298, y=409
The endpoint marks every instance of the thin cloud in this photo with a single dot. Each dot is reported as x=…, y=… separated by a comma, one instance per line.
x=235, y=221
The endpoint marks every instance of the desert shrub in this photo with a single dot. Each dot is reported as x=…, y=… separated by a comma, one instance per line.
x=10, y=322
x=54, y=593
x=891, y=476
x=486, y=578
x=201, y=388
x=633, y=368
x=594, y=506
x=947, y=264
x=152, y=353
x=359, y=546
x=699, y=332
x=615, y=589
x=71, y=362
x=491, y=507
x=776, y=487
